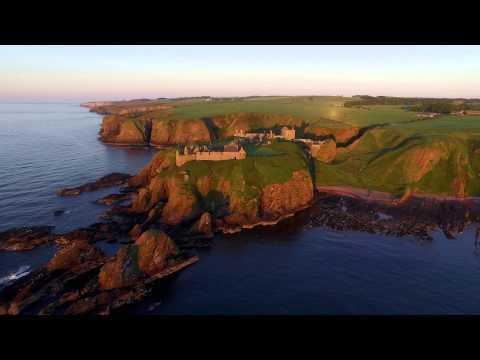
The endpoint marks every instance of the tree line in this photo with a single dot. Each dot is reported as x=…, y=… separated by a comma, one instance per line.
x=443, y=106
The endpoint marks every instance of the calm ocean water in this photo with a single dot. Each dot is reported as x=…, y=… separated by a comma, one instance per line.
x=290, y=269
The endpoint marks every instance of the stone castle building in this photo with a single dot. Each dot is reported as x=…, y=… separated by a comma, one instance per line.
x=287, y=133
x=232, y=151
x=249, y=135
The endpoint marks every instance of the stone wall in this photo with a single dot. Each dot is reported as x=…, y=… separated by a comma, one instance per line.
x=210, y=156
x=220, y=155
x=288, y=134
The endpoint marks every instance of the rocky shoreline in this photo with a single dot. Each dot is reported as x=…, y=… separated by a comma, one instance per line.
x=81, y=279
x=113, y=179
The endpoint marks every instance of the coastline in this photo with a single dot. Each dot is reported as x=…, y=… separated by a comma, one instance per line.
x=385, y=197
x=341, y=208
x=135, y=145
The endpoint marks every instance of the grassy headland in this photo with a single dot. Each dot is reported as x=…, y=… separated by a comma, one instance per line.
x=381, y=143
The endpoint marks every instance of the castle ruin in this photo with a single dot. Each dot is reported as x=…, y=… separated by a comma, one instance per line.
x=232, y=151
x=287, y=133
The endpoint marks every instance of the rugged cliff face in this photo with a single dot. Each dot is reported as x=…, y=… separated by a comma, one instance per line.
x=168, y=132
x=161, y=161
x=156, y=132
x=340, y=134
x=278, y=200
x=235, y=193
x=158, y=128
x=124, y=130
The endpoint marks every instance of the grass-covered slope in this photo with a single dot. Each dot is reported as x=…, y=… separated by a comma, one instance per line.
x=437, y=156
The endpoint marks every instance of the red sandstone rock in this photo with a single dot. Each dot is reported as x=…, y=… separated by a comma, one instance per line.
x=203, y=225
x=181, y=203
x=136, y=231
x=74, y=254
x=282, y=199
x=152, y=252
x=161, y=161
x=122, y=270
x=155, y=249
x=3, y=309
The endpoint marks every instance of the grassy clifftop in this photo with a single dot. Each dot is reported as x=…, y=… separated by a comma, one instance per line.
x=378, y=147
x=404, y=159
x=273, y=164
x=315, y=115
x=271, y=182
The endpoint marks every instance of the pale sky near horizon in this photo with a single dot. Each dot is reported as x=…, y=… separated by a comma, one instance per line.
x=71, y=73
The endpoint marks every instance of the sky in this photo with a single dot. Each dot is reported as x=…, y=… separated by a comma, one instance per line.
x=106, y=72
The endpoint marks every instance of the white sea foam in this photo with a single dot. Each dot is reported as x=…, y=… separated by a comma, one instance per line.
x=382, y=216
x=24, y=270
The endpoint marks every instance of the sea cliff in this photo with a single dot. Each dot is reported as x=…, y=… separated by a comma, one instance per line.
x=236, y=193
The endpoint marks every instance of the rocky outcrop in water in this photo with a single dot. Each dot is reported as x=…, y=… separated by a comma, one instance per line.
x=26, y=238
x=113, y=179
x=113, y=199
x=178, y=199
x=80, y=279
x=418, y=217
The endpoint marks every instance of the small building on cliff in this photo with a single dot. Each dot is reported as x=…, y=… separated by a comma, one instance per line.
x=287, y=133
x=232, y=151
x=253, y=136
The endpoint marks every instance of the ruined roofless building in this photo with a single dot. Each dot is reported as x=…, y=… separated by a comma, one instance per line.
x=254, y=136
x=233, y=151
x=287, y=133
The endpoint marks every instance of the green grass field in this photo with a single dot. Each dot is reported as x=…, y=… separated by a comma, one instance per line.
x=434, y=155
x=320, y=111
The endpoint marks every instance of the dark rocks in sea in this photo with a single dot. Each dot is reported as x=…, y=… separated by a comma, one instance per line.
x=419, y=217
x=113, y=179
x=58, y=212
x=114, y=199
x=110, y=231
x=26, y=238
x=80, y=279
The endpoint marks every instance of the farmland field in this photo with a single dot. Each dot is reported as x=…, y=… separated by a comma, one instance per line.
x=321, y=111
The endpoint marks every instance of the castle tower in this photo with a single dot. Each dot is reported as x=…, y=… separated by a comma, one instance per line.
x=288, y=134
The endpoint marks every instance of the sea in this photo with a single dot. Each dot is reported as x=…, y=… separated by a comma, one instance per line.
x=289, y=269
